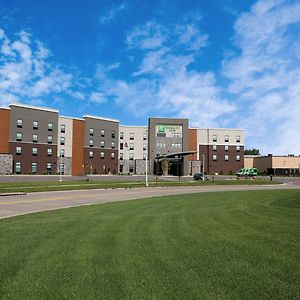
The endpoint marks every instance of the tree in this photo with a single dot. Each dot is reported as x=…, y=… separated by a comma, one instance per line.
x=252, y=152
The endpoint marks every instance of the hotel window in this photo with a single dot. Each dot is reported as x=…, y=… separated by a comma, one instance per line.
x=215, y=138
x=102, y=155
x=131, y=169
x=214, y=157
x=50, y=126
x=18, y=150
x=35, y=138
x=19, y=136
x=102, y=144
x=34, y=151
x=112, y=155
x=144, y=146
x=113, y=134
x=102, y=132
x=91, y=154
x=33, y=167
x=131, y=146
x=238, y=158
x=121, y=146
x=121, y=156
x=62, y=128
x=238, y=148
x=49, y=167
x=131, y=156
x=62, y=140
x=49, y=139
x=113, y=145
x=91, y=143
x=144, y=156
x=226, y=147
x=19, y=123
x=91, y=131
x=62, y=152
x=145, y=136
x=62, y=168
x=18, y=167
x=49, y=152
x=131, y=136
x=238, y=139
x=121, y=135
x=226, y=157
x=35, y=124
x=226, y=138
x=214, y=147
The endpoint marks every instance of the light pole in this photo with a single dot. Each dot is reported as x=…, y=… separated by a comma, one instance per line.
x=203, y=158
x=60, y=166
x=146, y=169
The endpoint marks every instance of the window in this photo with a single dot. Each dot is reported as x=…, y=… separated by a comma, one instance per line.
x=226, y=147
x=131, y=156
x=226, y=157
x=91, y=154
x=176, y=145
x=131, y=146
x=19, y=123
x=121, y=135
x=49, y=152
x=121, y=146
x=49, y=139
x=226, y=138
x=113, y=134
x=102, y=155
x=113, y=145
x=112, y=155
x=214, y=147
x=144, y=156
x=238, y=148
x=34, y=151
x=35, y=124
x=35, y=138
x=215, y=138
x=62, y=128
x=62, y=140
x=102, y=132
x=131, y=169
x=62, y=168
x=49, y=167
x=176, y=135
x=62, y=152
x=50, y=126
x=18, y=150
x=144, y=146
x=214, y=157
x=131, y=136
x=121, y=156
x=19, y=136
x=145, y=136
x=33, y=167
x=91, y=131
x=18, y=167
x=238, y=158
x=91, y=143
x=238, y=139
x=102, y=144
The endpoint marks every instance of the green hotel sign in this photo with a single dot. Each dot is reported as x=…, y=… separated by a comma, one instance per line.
x=167, y=128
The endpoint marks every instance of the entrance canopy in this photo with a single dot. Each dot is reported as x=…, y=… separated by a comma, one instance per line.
x=175, y=155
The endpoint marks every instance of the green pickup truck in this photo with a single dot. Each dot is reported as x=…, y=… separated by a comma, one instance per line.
x=247, y=172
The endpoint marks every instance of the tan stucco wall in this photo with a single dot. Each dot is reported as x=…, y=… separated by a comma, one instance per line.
x=68, y=135
x=286, y=162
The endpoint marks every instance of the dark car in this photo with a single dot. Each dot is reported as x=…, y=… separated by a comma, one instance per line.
x=199, y=176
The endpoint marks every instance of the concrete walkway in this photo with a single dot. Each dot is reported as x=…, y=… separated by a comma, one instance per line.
x=35, y=202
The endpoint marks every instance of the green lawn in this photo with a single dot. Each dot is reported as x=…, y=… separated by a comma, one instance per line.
x=233, y=245
x=42, y=186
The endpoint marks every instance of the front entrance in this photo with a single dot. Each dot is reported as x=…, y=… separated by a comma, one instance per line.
x=174, y=166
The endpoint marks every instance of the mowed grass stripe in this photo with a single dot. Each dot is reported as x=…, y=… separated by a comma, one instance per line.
x=231, y=245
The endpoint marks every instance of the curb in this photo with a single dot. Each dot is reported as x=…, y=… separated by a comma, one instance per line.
x=13, y=194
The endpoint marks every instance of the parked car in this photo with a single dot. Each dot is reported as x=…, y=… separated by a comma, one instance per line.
x=199, y=176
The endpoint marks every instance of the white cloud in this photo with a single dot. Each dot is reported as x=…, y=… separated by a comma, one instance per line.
x=97, y=97
x=265, y=76
x=108, y=16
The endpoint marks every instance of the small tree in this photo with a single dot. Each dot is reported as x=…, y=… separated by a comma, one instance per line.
x=165, y=165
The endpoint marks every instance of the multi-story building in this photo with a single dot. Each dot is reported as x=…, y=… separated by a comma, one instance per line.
x=36, y=140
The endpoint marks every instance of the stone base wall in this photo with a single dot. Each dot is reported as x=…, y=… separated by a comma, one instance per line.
x=195, y=166
x=140, y=166
x=6, y=164
x=67, y=161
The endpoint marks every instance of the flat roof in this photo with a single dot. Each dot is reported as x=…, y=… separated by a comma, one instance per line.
x=34, y=107
x=100, y=118
x=134, y=126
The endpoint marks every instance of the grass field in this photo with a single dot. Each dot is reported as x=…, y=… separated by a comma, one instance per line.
x=42, y=186
x=233, y=245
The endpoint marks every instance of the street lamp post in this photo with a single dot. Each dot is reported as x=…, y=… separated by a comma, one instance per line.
x=60, y=166
x=203, y=163
x=146, y=169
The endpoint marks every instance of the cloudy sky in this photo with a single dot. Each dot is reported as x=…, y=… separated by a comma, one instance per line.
x=220, y=63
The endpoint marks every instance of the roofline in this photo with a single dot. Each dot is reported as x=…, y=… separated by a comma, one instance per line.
x=237, y=129
x=100, y=118
x=134, y=126
x=34, y=107
x=7, y=108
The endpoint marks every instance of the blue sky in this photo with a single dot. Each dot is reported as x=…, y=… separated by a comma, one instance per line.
x=221, y=63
